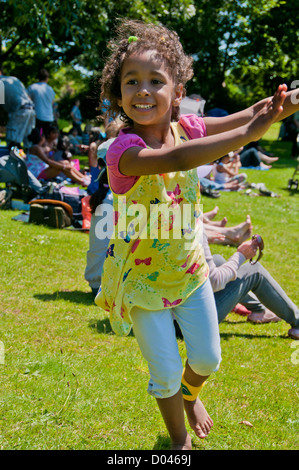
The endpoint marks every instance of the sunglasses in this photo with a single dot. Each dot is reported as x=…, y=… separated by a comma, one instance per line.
x=260, y=244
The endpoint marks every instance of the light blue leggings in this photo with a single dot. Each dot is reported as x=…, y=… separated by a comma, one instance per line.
x=155, y=334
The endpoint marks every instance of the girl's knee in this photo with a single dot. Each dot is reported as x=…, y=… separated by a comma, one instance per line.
x=206, y=366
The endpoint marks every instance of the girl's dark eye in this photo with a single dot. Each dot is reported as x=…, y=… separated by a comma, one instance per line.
x=132, y=82
x=156, y=82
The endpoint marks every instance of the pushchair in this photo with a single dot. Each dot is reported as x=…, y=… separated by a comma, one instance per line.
x=20, y=181
x=292, y=181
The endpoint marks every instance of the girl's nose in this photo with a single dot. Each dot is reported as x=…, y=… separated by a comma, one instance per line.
x=143, y=91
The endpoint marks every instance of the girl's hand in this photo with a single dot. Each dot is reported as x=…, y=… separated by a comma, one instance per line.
x=268, y=114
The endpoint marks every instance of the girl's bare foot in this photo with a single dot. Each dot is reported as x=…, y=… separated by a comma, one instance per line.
x=187, y=445
x=198, y=418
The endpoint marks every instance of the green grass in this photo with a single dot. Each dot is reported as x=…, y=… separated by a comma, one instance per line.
x=67, y=382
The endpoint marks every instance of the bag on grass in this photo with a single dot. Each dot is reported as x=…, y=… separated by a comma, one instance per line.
x=71, y=196
x=57, y=214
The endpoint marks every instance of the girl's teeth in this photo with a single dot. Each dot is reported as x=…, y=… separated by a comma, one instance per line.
x=145, y=106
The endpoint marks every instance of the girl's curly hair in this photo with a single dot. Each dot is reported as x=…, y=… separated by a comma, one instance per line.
x=148, y=36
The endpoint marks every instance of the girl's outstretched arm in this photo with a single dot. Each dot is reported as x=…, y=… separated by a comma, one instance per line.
x=226, y=123
x=138, y=161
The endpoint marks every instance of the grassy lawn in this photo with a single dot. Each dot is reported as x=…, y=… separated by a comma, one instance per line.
x=67, y=382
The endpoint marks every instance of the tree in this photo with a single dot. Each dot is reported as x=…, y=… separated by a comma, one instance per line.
x=73, y=31
x=242, y=48
x=36, y=32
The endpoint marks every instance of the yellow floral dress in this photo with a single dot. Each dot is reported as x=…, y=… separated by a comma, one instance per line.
x=155, y=257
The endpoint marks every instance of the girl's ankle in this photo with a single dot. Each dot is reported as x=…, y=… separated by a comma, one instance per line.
x=186, y=444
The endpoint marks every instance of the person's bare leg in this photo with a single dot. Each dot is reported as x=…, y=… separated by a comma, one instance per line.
x=217, y=238
x=245, y=236
x=197, y=415
x=211, y=214
x=216, y=223
x=172, y=411
x=234, y=234
x=71, y=173
x=232, y=185
x=268, y=160
x=266, y=167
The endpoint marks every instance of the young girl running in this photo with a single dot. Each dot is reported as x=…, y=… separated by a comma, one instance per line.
x=149, y=277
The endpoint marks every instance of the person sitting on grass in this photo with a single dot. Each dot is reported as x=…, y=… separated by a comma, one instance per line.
x=226, y=169
x=208, y=185
x=75, y=141
x=232, y=236
x=251, y=157
x=236, y=282
x=42, y=166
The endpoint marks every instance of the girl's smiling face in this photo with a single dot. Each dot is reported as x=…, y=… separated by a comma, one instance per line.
x=148, y=90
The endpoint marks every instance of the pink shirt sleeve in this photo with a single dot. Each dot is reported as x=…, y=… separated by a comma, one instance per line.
x=120, y=183
x=193, y=125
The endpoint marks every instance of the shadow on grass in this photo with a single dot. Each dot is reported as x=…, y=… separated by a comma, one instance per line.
x=290, y=192
x=75, y=296
x=228, y=336
x=100, y=326
x=162, y=443
x=103, y=326
x=281, y=149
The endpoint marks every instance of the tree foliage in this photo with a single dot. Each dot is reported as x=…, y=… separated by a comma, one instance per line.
x=242, y=48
